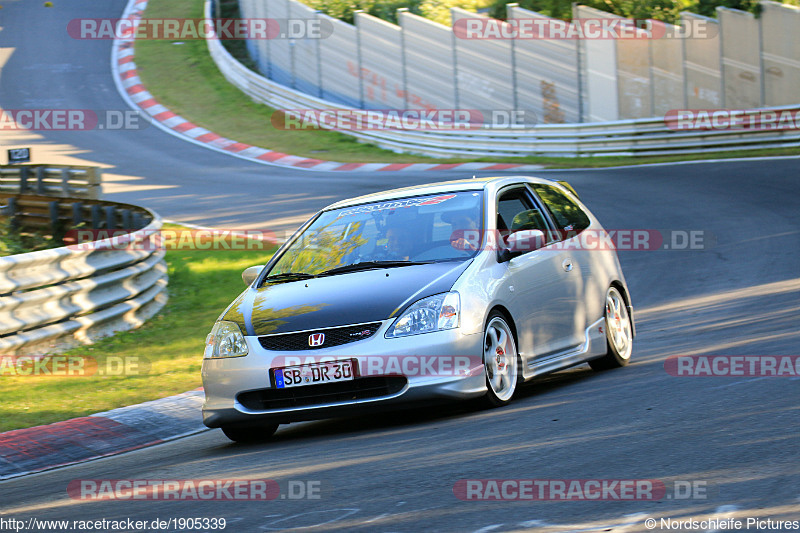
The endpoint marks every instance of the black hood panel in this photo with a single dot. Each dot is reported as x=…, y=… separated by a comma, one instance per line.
x=352, y=298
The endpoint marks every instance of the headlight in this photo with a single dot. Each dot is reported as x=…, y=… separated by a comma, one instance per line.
x=434, y=313
x=225, y=340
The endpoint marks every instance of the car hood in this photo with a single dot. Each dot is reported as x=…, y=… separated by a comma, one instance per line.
x=338, y=300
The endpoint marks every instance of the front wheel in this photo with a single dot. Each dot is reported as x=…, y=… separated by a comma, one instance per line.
x=619, y=333
x=254, y=433
x=500, y=361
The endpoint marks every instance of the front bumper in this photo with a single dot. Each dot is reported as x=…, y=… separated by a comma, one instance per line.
x=234, y=386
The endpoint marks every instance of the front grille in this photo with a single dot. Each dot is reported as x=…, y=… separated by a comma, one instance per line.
x=324, y=393
x=292, y=342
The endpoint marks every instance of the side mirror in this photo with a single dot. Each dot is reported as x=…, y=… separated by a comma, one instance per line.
x=520, y=242
x=251, y=273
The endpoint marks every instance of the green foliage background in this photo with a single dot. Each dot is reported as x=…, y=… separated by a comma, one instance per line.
x=438, y=10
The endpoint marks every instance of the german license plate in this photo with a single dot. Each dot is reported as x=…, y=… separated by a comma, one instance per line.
x=328, y=372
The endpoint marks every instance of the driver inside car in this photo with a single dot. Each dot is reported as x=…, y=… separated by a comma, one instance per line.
x=460, y=224
x=399, y=243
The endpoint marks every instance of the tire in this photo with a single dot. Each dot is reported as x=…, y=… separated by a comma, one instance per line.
x=501, y=361
x=254, y=433
x=619, y=333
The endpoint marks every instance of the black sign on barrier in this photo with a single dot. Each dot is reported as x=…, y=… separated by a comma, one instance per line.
x=19, y=155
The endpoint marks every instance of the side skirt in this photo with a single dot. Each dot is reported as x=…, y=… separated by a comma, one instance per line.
x=594, y=346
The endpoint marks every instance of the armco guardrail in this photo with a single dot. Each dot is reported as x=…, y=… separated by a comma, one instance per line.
x=51, y=180
x=58, y=214
x=648, y=136
x=58, y=298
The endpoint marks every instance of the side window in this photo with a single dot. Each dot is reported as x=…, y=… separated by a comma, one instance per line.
x=516, y=212
x=509, y=205
x=566, y=212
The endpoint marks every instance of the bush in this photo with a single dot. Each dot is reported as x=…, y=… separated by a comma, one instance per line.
x=345, y=9
x=436, y=10
x=14, y=241
x=439, y=10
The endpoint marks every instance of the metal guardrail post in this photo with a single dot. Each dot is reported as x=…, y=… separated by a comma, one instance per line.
x=10, y=209
x=40, y=175
x=93, y=178
x=52, y=210
x=126, y=219
x=95, y=216
x=65, y=182
x=111, y=218
x=77, y=213
x=23, y=180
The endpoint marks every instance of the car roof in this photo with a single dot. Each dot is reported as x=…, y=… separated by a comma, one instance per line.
x=471, y=184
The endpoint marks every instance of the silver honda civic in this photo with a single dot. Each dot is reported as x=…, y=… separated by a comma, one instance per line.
x=446, y=291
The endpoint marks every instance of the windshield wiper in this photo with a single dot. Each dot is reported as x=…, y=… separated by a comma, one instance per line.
x=370, y=265
x=289, y=276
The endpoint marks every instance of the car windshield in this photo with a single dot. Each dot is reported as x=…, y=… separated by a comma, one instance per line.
x=405, y=231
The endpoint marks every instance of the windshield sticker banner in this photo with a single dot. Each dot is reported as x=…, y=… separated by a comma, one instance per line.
x=395, y=204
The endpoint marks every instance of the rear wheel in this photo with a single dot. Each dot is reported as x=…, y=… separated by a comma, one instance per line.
x=254, y=433
x=619, y=333
x=500, y=361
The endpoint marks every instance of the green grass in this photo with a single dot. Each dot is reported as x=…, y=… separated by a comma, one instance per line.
x=613, y=161
x=14, y=240
x=169, y=347
x=184, y=78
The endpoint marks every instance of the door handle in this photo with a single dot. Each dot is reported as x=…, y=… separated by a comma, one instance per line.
x=567, y=265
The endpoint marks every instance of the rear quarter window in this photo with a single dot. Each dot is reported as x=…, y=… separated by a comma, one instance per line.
x=567, y=214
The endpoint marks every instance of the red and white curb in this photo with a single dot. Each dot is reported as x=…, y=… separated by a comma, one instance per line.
x=136, y=95
x=29, y=450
